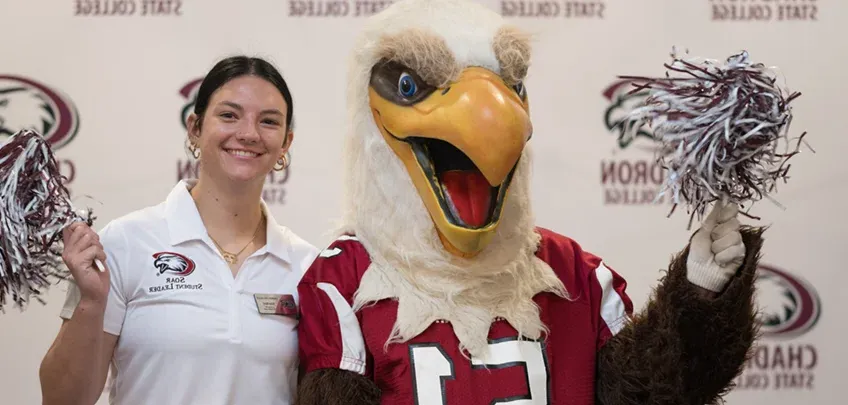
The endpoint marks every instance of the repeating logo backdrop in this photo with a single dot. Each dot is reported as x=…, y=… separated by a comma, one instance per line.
x=110, y=83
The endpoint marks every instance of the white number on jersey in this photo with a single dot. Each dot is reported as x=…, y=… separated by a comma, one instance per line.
x=431, y=367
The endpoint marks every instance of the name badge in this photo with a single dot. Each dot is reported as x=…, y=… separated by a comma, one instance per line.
x=276, y=304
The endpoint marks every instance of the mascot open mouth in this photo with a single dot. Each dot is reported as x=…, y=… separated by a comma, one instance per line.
x=460, y=143
x=464, y=194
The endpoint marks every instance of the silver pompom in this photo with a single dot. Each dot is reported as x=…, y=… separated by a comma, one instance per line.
x=720, y=126
x=34, y=209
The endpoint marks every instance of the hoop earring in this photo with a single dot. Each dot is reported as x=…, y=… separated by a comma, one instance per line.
x=192, y=147
x=282, y=163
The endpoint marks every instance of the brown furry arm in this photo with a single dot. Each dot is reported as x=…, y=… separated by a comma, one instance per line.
x=685, y=348
x=336, y=387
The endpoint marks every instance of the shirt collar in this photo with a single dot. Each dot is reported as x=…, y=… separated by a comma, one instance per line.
x=277, y=242
x=185, y=224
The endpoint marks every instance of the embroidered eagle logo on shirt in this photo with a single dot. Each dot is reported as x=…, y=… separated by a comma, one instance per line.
x=175, y=263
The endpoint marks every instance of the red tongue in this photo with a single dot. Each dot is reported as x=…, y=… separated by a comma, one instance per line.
x=470, y=193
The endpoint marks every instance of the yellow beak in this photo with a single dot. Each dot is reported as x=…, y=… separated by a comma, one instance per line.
x=480, y=116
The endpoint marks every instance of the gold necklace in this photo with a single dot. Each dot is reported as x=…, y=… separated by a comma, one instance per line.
x=232, y=258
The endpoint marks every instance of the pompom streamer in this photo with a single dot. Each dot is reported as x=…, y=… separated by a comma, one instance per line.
x=719, y=126
x=35, y=207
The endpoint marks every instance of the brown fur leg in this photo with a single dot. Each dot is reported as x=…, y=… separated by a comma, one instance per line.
x=683, y=349
x=336, y=387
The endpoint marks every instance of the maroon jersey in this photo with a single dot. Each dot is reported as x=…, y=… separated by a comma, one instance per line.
x=430, y=370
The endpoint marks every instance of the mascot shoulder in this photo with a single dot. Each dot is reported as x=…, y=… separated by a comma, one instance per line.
x=571, y=263
x=342, y=263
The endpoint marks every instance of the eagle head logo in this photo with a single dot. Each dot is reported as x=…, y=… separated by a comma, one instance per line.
x=28, y=104
x=789, y=306
x=175, y=263
x=189, y=93
x=623, y=102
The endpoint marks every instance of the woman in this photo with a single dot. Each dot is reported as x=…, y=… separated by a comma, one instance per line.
x=201, y=288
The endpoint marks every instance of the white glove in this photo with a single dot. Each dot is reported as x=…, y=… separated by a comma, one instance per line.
x=716, y=250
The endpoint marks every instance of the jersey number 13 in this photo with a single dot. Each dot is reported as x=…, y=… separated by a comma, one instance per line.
x=431, y=367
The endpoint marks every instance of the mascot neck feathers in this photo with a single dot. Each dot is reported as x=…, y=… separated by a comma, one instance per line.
x=438, y=171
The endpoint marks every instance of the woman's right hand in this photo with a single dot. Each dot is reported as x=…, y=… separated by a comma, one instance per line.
x=82, y=247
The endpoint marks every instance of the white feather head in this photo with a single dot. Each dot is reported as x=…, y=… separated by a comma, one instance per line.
x=379, y=193
x=383, y=207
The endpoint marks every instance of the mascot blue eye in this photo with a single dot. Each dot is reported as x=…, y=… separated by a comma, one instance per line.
x=406, y=85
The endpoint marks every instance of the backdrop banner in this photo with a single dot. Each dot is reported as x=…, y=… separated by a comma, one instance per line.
x=110, y=83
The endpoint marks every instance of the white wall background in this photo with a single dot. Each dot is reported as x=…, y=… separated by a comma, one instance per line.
x=123, y=73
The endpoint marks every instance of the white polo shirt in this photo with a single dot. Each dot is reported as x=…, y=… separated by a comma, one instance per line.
x=190, y=332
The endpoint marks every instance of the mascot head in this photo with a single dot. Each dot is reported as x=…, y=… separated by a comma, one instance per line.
x=439, y=102
x=438, y=170
x=458, y=126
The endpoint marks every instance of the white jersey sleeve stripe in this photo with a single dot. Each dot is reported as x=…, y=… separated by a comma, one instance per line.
x=353, y=344
x=612, y=306
x=330, y=252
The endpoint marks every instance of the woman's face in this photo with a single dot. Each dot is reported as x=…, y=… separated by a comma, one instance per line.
x=243, y=133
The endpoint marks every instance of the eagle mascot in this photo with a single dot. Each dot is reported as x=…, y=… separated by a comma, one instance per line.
x=441, y=290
